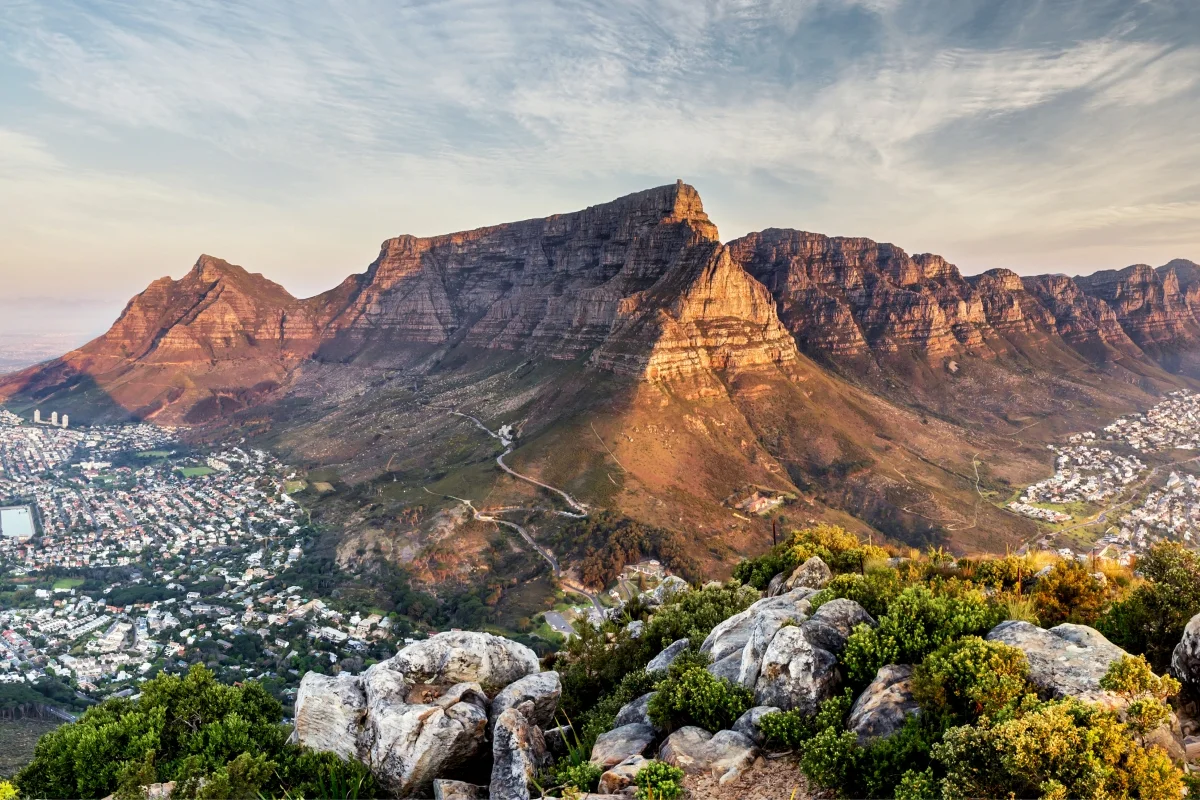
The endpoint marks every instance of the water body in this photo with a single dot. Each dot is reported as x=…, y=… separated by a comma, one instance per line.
x=16, y=522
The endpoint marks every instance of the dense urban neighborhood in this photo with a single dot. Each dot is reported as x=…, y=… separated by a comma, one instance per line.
x=149, y=556
x=1130, y=480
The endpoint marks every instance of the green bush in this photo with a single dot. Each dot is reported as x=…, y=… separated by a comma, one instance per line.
x=192, y=730
x=584, y=776
x=1069, y=593
x=1147, y=693
x=600, y=717
x=658, y=780
x=968, y=678
x=693, y=696
x=1058, y=750
x=918, y=785
x=793, y=729
x=832, y=759
x=694, y=614
x=836, y=546
x=1150, y=621
x=917, y=623
x=874, y=591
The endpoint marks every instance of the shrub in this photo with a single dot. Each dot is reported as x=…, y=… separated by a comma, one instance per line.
x=968, y=678
x=1151, y=619
x=657, y=780
x=600, y=717
x=832, y=759
x=1069, y=593
x=917, y=623
x=1059, y=749
x=694, y=614
x=7, y=791
x=918, y=785
x=837, y=547
x=584, y=776
x=192, y=730
x=1131, y=678
x=874, y=591
x=792, y=729
x=695, y=697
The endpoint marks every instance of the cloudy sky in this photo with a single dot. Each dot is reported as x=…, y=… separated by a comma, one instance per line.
x=292, y=136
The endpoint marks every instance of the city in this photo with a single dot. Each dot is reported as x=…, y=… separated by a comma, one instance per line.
x=149, y=556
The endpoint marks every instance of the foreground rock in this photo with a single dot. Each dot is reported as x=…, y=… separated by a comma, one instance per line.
x=731, y=636
x=1185, y=660
x=621, y=743
x=491, y=661
x=748, y=724
x=663, y=661
x=1065, y=661
x=422, y=712
x=812, y=574
x=620, y=777
x=635, y=711
x=457, y=790
x=799, y=668
x=543, y=690
x=518, y=755
x=695, y=750
x=884, y=705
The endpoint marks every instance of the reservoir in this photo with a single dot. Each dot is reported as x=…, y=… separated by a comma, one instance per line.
x=16, y=522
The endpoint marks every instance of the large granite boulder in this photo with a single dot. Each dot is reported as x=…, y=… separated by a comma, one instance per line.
x=422, y=712
x=884, y=705
x=621, y=743
x=723, y=755
x=762, y=631
x=812, y=574
x=799, y=668
x=518, y=755
x=663, y=661
x=728, y=668
x=543, y=690
x=1185, y=660
x=1065, y=661
x=330, y=712
x=635, y=711
x=731, y=635
x=748, y=724
x=491, y=661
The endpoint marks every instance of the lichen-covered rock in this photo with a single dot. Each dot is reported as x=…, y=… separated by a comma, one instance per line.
x=330, y=712
x=543, y=690
x=812, y=574
x=518, y=755
x=456, y=656
x=635, y=711
x=662, y=661
x=766, y=625
x=775, y=587
x=621, y=776
x=1185, y=660
x=457, y=790
x=670, y=586
x=884, y=705
x=621, y=743
x=727, y=668
x=723, y=755
x=1065, y=661
x=748, y=724
x=731, y=635
x=799, y=668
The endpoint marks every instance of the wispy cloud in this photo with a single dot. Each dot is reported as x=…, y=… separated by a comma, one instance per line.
x=299, y=133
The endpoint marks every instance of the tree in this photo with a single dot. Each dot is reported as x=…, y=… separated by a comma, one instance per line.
x=1069, y=593
x=1150, y=621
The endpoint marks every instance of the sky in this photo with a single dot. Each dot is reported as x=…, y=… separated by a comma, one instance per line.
x=293, y=136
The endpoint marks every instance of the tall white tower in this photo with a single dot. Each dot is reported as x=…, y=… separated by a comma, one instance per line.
x=54, y=418
x=64, y=420
x=37, y=416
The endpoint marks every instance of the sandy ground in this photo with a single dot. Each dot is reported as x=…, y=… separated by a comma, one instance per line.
x=768, y=779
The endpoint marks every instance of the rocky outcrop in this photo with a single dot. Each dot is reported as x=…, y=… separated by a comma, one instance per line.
x=1185, y=659
x=1151, y=309
x=542, y=690
x=518, y=755
x=723, y=755
x=730, y=636
x=615, y=746
x=620, y=777
x=799, y=668
x=424, y=712
x=663, y=661
x=491, y=661
x=636, y=711
x=812, y=574
x=884, y=705
x=748, y=724
x=1065, y=661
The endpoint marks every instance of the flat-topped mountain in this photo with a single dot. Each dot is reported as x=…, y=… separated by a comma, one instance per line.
x=650, y=369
